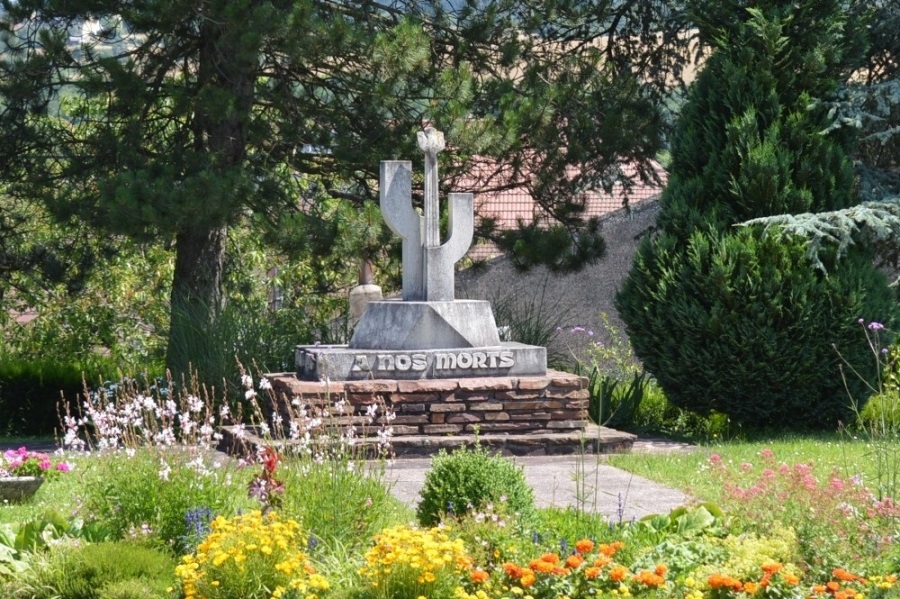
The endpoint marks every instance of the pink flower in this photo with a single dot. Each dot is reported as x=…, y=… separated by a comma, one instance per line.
x=45, y=464
x=715, y=458
x=63, y=466
x=746, y=466
x=767, y=454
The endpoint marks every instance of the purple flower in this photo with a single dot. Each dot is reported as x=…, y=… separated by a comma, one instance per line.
x=875, y=326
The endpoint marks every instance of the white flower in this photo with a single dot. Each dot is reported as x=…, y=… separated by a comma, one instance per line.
x=264, y=384
x=247, y=381
x=194, y=403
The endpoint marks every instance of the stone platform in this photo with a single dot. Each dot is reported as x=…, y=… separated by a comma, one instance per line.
x=593, y=440
x=528, y=415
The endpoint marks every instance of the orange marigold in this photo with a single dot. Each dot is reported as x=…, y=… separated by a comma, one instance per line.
x=818, y=589
x=527, y=579
x=720, y=581
x=650, y=579
x=584, y=545
x=832, y=587
x=574, y=560
x=479, y=576
x=846, y=576
x=618, y=574
x=771, y=567
x=539, y=565
x=791, y=579
x=750, y=587
x=557, y=571
x=661, y=569
x=601, y=561
x=592, y=572
x=610, y=549
x=513, y=570
x=550, y=558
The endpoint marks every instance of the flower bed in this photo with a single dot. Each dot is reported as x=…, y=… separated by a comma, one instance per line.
x=316, y=525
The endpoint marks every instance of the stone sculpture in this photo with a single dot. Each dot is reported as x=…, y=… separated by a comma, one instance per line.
x=427, y=334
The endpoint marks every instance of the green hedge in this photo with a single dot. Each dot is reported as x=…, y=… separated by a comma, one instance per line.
x=30, y=392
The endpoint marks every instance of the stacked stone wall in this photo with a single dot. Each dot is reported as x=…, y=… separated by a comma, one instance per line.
x=555, y=403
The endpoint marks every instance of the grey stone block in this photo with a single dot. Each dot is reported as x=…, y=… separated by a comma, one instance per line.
x=402, y=325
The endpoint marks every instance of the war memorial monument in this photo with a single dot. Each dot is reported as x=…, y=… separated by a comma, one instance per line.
x=438, y=362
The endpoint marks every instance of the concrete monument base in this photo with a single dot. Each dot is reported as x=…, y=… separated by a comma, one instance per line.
x=345, y=363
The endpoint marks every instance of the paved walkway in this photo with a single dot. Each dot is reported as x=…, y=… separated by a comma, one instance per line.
x=576, y=481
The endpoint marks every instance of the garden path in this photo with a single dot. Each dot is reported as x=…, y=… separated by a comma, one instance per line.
x=576, y=481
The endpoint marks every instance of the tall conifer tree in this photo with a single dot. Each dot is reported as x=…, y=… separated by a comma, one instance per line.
x=732, y=319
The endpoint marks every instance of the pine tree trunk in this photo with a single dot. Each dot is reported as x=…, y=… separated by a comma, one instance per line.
x=228, y=65
x=196, y=299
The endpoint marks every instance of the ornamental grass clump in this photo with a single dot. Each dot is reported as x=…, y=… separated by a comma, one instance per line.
x=469, y=479
x=251, y=556
x=407, y=562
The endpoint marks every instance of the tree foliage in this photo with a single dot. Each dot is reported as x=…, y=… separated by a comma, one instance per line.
x=732, y=319
x=867, y=105
x=167, y=120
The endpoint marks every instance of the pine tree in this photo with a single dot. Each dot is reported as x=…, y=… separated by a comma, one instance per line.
x=169, y=118
x=734, y=319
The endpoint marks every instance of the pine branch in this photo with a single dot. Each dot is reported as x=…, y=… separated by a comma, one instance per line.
x=876, y=223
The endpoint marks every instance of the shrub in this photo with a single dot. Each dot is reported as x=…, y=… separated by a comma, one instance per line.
x=741, y=324
x=29, y=392
x=338, y=501
x=99, y=571
x=471, y=478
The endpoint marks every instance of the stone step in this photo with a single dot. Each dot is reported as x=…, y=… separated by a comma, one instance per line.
x=594, y=440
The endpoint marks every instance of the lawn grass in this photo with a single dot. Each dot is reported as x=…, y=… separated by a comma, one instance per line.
x=845, y=454
x=62, y=494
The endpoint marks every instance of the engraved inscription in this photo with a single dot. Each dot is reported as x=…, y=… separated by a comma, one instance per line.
x=460, y=360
